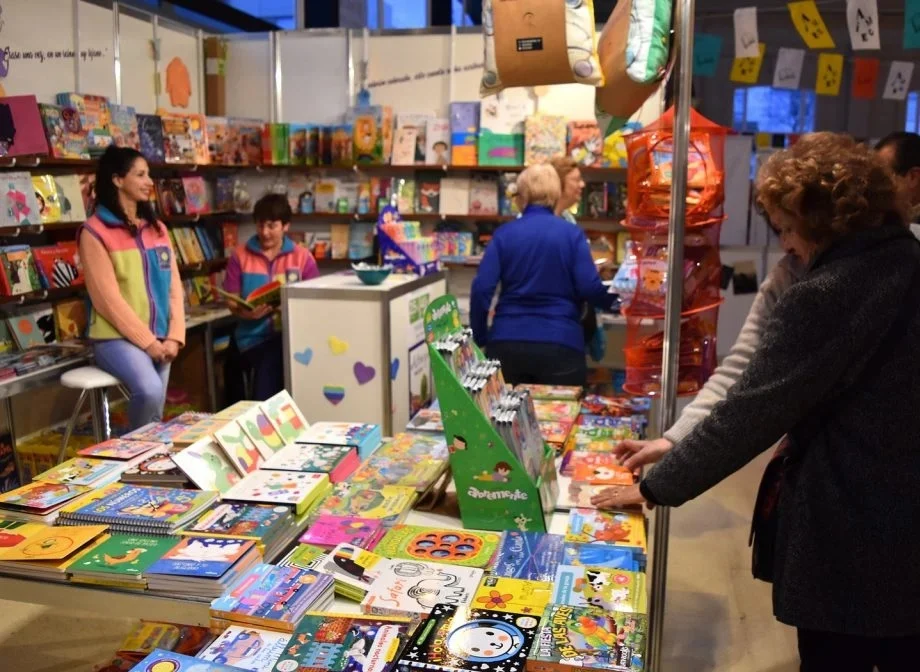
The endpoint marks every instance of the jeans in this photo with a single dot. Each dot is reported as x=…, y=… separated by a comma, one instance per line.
x=266, y=361
x=145, y=379
x=539, y=363
x=825, y=651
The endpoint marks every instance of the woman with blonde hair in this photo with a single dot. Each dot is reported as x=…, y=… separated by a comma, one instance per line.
x=572, y=186
x=546, y=272
x=837, y=372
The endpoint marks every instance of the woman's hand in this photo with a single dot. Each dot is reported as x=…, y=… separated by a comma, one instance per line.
x=156, y=351
x=254, y=314
x=634, y=454
x=619, y=497
x=172, y=350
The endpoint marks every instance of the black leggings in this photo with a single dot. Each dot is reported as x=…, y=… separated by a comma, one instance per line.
x=539, y=363
x=829, y=652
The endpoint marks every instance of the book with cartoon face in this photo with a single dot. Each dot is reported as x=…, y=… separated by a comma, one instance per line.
x=246, y=648
x=209, y=557
x=122, y=556
x=407, y=587
x=337, y=461
x=466, y=548
x=621, y=528
x=416, y=473
x=260, y=431
x=329, y=531
x=156, y=468
x=518, y=596
x=83, y=471
x=606, y=589
x=207, y=466
x=120, y=449
x=556, y=432
x=239, y=448
x=285, y=417
x=390, y=504
x=290, y=488
x=457, y=639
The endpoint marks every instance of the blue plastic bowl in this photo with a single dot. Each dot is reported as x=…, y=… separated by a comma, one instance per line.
x=372, y=276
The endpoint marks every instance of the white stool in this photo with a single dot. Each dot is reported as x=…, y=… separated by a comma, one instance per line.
x=95, y=383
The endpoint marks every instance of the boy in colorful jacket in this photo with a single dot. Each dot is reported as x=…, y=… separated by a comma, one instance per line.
x=269, y=255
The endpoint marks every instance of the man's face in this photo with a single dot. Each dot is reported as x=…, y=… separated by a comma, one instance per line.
x=910, y=181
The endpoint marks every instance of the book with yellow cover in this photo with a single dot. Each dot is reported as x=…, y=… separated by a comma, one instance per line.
x=54, y=543
x=518, y=596
x=621, y=528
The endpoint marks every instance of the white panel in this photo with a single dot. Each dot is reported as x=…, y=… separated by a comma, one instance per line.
x=738, y=151
x=137, y=66
x=248, y=71
x=468, y=61
x=97, y=71
x=181, y=45
x=409, y=72
x=734, y=310
x=314, y=78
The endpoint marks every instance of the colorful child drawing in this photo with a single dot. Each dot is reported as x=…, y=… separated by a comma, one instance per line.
x=500, y=474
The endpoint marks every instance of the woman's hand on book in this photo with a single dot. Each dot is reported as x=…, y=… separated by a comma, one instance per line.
x=619, y=497
x=635, y=454
x=255, y=314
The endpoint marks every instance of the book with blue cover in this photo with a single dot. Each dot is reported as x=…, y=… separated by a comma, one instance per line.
x=161, y=660
x=236, y=520
x=364, y=437
x=208, y=557
x=140, y=508
x=603, y=555
x=245, y=648
x=528, y=555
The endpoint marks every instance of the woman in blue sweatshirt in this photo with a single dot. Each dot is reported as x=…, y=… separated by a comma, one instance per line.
x=546, y=272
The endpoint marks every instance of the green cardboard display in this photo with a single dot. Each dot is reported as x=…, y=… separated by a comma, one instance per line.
x=490, y=496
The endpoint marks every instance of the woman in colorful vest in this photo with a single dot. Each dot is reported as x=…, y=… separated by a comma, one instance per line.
x=269, y=255
x=137, y=316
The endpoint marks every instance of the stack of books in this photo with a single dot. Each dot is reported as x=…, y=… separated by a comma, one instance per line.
x=390, y=504
x=354, y=570
x=298, y=490
x=39, y=502
x=272, y=528
x=364, y=437
x=121, y=561
x=84, y=471
x=408, y=460
x=339, y=462
x=202, y=567
x=329, y=531
x=46, y=553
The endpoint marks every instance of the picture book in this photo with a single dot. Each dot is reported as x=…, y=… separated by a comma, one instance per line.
x=419, y=124
x=246, y=141
x=83, y=471
x=391, y=504
x=123, y=555
x=151, y=137
x=241, y=521
x=258, y=428
x=528, y=555
x=202, y=429
x=54, y=543
x=600, y=470
x=150, y=635
x=519, y=596
x=276, y=144
x=552, y=392
x=198, y=130
x=41, y=496
x=159, y=509
x=372, y=133
x=595, y=201
x=418, y=473
x=404, y=189
x=583, y=637
x=544, y=138
x=556, y=432
x=549, y=411
x=119, y=449
x=429, y=193
x=297, y=144
x=437, y=142
x=70, y=319
x=218, y=141
x=196, y=195
x=208, y=557
x=337, y=461
x=157, y=431
x=361, y=240
x=70, y=198
x=293, y=488
x=268, y=294
x=342, y=146
x=501, y=129
x=14, y=533
x=160, y=661
x=156, y=468
x=20, y=205
x=234, y=411
x=465, y=548
x=454, y=639
x=7, y=344
x=483, y=195
x=239, y=448
x=407, y=587
x=603, y=556
x=404, y=146
x=275, y=597
x=364, y=437
x=329, y=531
x=171, y=197
x=606, y=589
x=58, y=265
x=417, y=446
x=64, y=132
x=464, y=131
x=353, y=567
x=586, y=438
x=49, y=206
x=623, y=528
x=304, y=556
x=94, y=117
x=507, y=190
x=177, y=139
x=124, y=126
x=207, y=466
x=586, y=144
x=23, y=132
x=246, y=648
x=575, y=495
x=18, y=274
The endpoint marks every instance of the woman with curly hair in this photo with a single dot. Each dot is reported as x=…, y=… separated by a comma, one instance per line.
x=837, y=372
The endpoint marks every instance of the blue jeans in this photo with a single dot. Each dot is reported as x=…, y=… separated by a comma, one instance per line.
x=145, y=379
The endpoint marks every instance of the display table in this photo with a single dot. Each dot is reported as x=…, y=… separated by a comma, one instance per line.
x=357, y=353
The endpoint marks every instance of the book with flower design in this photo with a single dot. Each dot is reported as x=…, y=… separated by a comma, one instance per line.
x=519, y=596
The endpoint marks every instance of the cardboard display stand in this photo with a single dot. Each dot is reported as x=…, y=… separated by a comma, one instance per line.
x=511, y=500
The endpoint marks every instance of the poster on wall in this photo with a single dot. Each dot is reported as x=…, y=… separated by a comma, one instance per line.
x=420, y=387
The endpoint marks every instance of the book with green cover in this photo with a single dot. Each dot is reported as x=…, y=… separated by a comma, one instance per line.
x=124, y=557
x=467, y=548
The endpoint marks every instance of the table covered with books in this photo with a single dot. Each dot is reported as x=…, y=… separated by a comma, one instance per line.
x=255, y=540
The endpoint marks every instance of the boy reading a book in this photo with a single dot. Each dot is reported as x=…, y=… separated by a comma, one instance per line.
x=268, y=256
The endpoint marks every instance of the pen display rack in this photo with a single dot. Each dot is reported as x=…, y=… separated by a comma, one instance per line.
x=402, y=245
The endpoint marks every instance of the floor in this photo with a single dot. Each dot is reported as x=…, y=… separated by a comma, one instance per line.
x=717, y=617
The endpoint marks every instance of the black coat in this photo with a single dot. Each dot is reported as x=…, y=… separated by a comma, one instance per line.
x=848, y=558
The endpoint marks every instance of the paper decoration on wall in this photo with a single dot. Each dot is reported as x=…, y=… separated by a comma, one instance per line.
x=706, y=51
x=898, y=83
x=394, y=368
x=747, y=70
x=364, y=373
x=334, y=394
x=912, y=24
x=788, y=72
x=865, y=77
x=337, y=345
x=807, y=20
x=746, y=39
x=830, y=73
x=304, y=357
x=862, y=20
x=178, y=83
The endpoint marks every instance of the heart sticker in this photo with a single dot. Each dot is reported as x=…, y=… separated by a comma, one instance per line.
x=304, y=357
x=338, y=346
x=394, y=368
x=363, y=373
x=334, y=394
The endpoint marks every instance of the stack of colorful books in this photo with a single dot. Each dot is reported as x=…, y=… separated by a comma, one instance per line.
x=408, y=460
x=364, y=437
x=272, y=528
x=202, y=567
x=47, y=553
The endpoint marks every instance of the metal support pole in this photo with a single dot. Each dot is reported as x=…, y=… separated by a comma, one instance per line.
x=155, y=33
x=681, y=143
x=116, y=50
x=76, y=45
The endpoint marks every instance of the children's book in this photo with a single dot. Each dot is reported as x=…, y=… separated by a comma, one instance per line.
x=151, y=138
x=54, y=543
x=259, y=522
x=7, y=344
x=207, y=466
x=303, y=556
x=518, y=596
x=419, y=124
x=483, y=195
x=23, y=133
x=83, y=471
x=239, y=448
x=584, y=637
x=437, y=142
x=575, y=495
x=70, y=198
x=595, y=200
x=218, y=141
x=416, y=446
x=603, y=556
x=292, y=488
x=297, y=144
x=150, y=635
x=408, y=587
x=623, y=528
x=528, y=555
x=267, y=294
x=119, y=449
x=353, y=568
x=20, y=205
x=429, y=193
x=544, y=138
x=64, y=132
x=404, y=147
x=342, y=145
x=419, y=473
x=599, y=469
x=274, y=597
x=49, y=206
x=360, y=240
x=124, y=126
x=455, y=639
x=606, y=589
x=372, y=129
x=364, y=437
x=70, y=319
x=337, y=461
x=464, y=131
x=552, y=392
x=223, y=198
x=171, y=196
x=234, y=411
x=26, y=331
x=142, y=508
x=501, y=132
x=14, y=533
x=391, y=504
x=246, y=648
x=161, y=660
x=196, y=195
x=198, y=130
x=330, y=531
x=556, y=432
x=260, y=431
x=58, y=265
x=586, y=144
x=40, y=496
x=207, y=557
x=94, y=116
x=465, y=548
x=549, y=411
x=156, y=468
x=177, y=139
x=122, y=556
x=200, y=430
x=19, y=274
